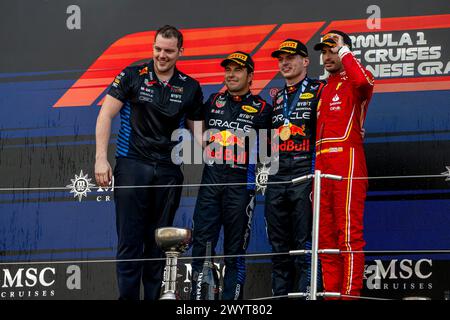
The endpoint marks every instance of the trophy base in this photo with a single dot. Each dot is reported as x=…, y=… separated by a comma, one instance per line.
x=168, y=296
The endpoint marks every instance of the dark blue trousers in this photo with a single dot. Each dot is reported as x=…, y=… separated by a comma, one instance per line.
x=139, y=212
x=231, y=207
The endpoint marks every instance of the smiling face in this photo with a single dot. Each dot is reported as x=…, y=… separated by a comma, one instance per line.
x=237, y=78
x=165, y=54
x=293, y=67
x=331, y=60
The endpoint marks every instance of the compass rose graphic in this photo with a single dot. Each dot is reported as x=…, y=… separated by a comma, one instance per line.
x=261, y=179
x=80, y=186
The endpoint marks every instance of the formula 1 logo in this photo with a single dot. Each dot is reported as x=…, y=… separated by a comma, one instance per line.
x=206, y=47
x=208, y=43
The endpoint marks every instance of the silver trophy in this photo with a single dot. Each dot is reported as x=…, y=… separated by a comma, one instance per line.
x=173, y=241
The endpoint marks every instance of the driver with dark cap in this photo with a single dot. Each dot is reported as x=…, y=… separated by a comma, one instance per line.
x=288, y=208
x=225, y=199
x=340, y=151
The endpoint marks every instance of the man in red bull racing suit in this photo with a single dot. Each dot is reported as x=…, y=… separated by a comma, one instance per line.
x=288, y=209
x=340, y=119
x=229, y=114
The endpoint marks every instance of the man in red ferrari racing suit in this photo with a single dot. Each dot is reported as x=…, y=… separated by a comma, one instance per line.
x=339, y=151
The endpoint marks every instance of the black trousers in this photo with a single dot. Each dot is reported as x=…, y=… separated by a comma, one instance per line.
x=139, y=212
x=231, y=207
x=288, y=213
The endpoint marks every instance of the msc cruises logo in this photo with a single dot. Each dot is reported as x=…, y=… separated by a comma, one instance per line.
x=80, y=186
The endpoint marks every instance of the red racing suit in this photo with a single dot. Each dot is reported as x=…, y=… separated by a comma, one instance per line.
x=339, y=151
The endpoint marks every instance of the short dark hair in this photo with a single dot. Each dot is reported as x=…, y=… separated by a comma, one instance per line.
x=169, y=31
